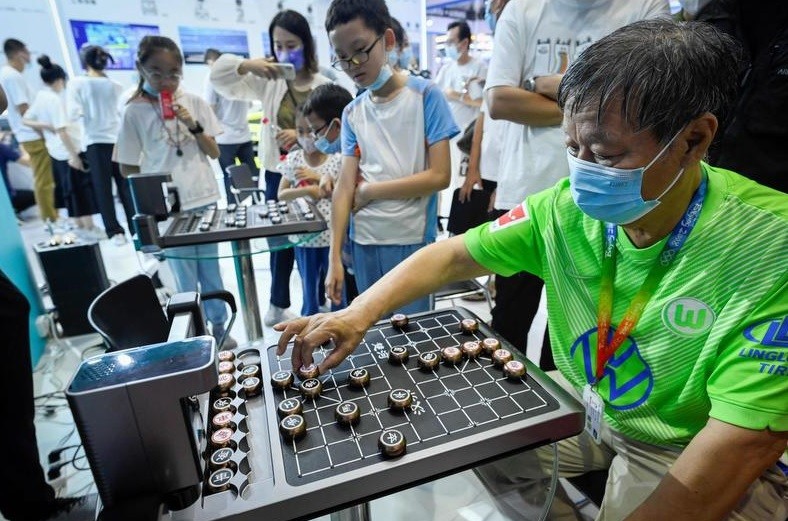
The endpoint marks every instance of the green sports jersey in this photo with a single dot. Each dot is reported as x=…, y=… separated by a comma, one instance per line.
x=713, y=339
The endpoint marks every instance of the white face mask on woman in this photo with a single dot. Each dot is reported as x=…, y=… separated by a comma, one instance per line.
x=307, y=144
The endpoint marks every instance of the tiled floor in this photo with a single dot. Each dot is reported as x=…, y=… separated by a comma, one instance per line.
x=457, y=497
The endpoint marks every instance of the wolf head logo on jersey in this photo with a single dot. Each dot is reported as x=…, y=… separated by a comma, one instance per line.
x=627, y=380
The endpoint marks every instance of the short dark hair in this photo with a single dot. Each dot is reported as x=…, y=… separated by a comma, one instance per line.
x=211, y=54
x=294, y=22
x=327, y=101
x=399, y=32
x=374, y=14
x=464, y=30
x=50, y=72
x=664, y=73
x=12, y=46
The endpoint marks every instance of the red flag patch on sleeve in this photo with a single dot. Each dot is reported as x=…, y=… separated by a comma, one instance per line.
x=517, y=214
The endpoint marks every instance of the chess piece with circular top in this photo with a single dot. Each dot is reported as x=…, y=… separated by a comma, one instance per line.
x=347, y=413
x=392, y=443
x=358, y=378
x=399, y=320
x=400, y=399
x=451, y=355
x=289, y=406
x=429, y=361
x=469, y=326
x=490, y=345
x=471, y=349
x=282, y=379
x=309, y=371
x=292, y=427
x=514, y=369
x=398, y=355
x=311, y=388
x=501, y=356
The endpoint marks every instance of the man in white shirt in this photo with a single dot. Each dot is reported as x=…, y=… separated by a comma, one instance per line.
x=235, y=141
x=535, y=41
x=461, y=81
x=19, y=99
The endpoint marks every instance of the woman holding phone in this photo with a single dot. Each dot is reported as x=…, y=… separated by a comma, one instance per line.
x=266, y=79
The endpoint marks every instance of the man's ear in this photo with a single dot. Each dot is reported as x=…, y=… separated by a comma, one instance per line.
x=699, y=135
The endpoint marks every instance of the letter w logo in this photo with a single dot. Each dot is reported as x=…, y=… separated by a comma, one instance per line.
x=688, y=318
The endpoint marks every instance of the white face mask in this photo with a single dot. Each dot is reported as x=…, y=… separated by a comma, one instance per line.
x=307, y=144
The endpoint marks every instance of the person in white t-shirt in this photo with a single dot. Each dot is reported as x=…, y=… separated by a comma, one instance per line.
x=181, y=146
x=535, y=41
x=461, y=80
x=94, y=99
x=19, y=97
x=261, y=79
x=235, y=141
x=63, y=136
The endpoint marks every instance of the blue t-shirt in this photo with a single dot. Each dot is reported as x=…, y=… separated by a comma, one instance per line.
x=391, y=140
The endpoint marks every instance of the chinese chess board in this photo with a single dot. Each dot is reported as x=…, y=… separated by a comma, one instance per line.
x=449, y=402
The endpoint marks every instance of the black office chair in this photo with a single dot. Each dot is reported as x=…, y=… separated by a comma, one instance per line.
x=130, y=315
x=243, y=184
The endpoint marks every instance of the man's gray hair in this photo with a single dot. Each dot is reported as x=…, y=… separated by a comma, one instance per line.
x=663, y=73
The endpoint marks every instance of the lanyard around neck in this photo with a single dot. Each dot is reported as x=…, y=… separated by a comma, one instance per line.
x=605, y=349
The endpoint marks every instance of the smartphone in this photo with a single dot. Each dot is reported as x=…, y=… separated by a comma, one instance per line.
x=165, y=103
x=287, y=70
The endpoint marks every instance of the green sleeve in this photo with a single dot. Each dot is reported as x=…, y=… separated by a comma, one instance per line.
x=514, y=242
x=749, y=384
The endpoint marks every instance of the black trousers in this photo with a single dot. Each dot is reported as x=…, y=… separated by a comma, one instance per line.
x=516, y=303
x=103, y=170
x=76, y=188
x=24, y=491
x=227, y=154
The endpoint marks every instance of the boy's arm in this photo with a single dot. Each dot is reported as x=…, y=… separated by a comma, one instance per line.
x=426, y=182
x=341, y=204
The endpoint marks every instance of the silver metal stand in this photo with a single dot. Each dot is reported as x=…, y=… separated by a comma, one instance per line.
x=247, y=291
x=358, y=512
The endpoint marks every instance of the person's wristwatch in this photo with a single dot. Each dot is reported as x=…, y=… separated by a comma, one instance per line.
x=197, y=128
x=530, y=84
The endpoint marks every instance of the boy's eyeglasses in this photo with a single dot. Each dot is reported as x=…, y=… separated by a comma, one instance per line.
x=157, y=76
x=356, y=59
x=313, y=133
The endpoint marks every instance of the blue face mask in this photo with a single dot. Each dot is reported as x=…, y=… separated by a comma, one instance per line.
x=490, y=18
x=328, y=147
x=148, y=88
x=452, y=53
x=383, y=76
x=393, y=57
x=612, y=194
x=405, y=56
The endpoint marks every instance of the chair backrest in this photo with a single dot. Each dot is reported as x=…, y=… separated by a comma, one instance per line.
x=241, y=177
x=129, y=315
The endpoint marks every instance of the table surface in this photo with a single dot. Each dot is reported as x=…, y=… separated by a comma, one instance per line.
x=469, y=422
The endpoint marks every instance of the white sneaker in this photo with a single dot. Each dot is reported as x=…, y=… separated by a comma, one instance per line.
x=275, y=314
x=119, y=239
x=325, y=308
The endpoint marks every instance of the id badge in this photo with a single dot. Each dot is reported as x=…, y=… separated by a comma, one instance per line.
x=595, y=407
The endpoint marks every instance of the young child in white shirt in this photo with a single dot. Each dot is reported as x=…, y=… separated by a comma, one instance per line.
x=302, y=171
x=181, y=146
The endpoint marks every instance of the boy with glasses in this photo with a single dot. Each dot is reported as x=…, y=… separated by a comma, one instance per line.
x=395, y=147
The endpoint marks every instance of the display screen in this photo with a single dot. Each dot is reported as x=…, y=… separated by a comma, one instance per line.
x=195, y=40
x=118, y=39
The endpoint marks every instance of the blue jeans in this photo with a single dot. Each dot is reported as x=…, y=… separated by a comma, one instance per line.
x=282, y=260
x=313, y=267
x=371, y=262
x=200, y=275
